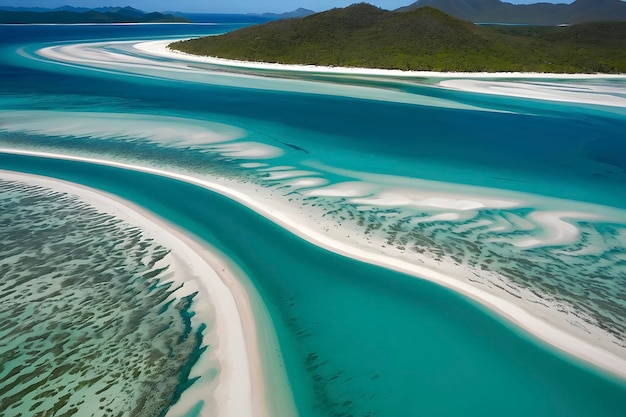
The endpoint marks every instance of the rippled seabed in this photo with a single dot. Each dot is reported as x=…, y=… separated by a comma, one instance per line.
x=348, y=152
x=556, y=254
x=87, y=324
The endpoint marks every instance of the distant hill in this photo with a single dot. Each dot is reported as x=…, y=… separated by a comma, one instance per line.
x=222, y=17
x=241, y=18
x=25, y=9
x=69, y=14
x=127, y=10
x=300, y=12
x=421, y=39
x=496, y=11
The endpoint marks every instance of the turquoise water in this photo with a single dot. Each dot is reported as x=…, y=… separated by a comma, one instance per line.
x=357, y=340
x=361, y=340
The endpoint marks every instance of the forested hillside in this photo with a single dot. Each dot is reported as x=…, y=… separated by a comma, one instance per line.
x=421, y=39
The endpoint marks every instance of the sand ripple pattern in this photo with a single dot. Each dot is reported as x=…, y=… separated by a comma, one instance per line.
x=573, y=262
x=551, y=255
x=87, y=325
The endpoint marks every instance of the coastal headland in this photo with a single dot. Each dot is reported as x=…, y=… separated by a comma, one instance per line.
x=422, y=39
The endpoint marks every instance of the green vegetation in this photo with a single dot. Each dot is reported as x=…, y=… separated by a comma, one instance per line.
x=421, y=39
x=536, y=13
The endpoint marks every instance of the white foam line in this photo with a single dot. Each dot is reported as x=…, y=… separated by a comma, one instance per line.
x=537, y=326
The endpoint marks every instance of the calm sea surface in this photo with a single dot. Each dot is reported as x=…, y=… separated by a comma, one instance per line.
x=357, y=340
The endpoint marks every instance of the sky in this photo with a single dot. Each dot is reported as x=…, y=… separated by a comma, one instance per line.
x=228, y=6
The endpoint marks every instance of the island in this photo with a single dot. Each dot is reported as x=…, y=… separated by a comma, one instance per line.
x=71, y=15
x=422, y=39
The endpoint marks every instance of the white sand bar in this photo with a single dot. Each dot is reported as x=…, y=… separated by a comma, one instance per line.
x=239, y=389
x=513, y=84
x=544, y=324
x=614, y=95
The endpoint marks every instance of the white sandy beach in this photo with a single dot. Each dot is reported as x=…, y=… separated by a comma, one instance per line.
x=546, y=322
x=513, y=84
x=223, y=302
x=134, y=58
x=161, y=48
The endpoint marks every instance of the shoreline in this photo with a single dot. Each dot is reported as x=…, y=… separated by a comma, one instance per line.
x=240, y=388
x=555, y=87
x=162, y=48
x=535, y=325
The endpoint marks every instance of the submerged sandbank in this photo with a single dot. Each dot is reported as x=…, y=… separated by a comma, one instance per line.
x=565, y=92
x=538, y=322
x=223, y=303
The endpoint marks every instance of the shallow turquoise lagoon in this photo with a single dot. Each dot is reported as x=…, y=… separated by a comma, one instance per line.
x=89, y=323
x=360, y=340
x=357, y=340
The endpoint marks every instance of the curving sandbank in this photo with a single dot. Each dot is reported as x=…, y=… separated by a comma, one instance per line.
x=512, y=84
x=565, y=92
x=122, y=56
x=537, y=322
x=239, y=390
